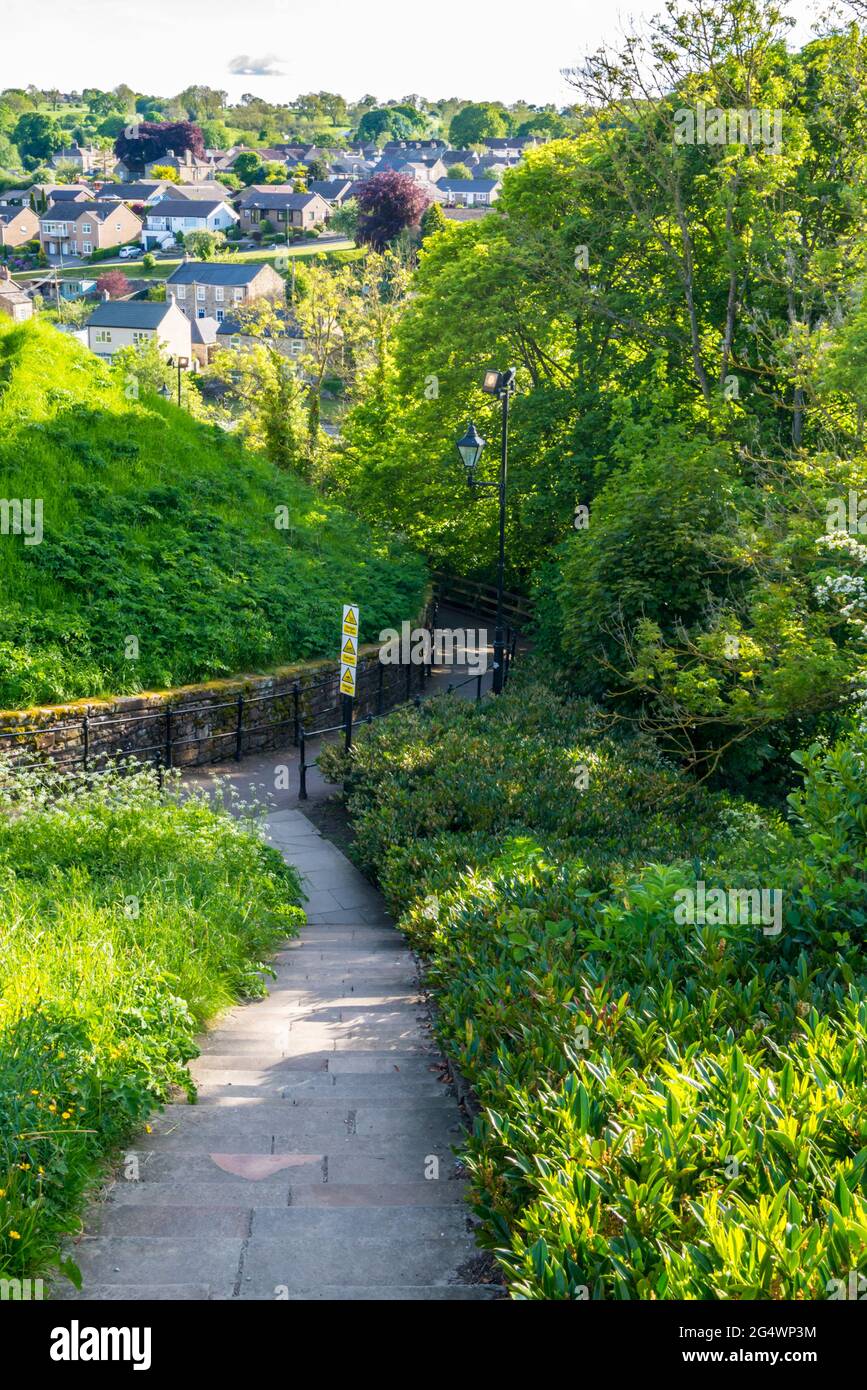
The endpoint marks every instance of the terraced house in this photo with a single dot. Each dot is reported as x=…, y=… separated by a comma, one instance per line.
x=213, y=289
x=77, y=229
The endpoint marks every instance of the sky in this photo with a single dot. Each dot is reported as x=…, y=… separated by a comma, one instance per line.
x=509, y=50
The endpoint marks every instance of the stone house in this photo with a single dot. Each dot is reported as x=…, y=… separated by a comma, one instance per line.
x=14, y=303
x=212, y=289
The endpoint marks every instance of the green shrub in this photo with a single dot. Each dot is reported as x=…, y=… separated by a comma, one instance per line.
x=669, y=1111
x=127, y=917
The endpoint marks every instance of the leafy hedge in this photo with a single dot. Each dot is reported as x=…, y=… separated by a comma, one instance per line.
x=127, y=918
x=668, y=1111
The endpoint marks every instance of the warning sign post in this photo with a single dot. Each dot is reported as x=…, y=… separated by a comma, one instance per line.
x=349, y=664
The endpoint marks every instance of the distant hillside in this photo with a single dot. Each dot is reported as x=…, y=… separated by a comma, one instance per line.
x=158, y=528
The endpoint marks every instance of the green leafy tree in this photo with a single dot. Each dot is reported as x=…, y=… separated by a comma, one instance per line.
x=476, y=123
x=37, y=136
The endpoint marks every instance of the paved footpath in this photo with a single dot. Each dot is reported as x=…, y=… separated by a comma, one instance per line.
x=302, y=1172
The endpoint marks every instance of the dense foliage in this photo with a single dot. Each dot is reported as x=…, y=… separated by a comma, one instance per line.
x=686, y=318
x=158, y=528
x=128, y=916
x=670, y=1109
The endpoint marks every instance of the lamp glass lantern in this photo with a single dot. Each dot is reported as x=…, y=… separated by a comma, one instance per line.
x=470, y=448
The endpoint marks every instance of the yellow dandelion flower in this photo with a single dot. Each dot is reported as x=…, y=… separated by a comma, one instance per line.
x=14, y=1235
x=24, y=1167
x=52, y=1107
x=148, y=1129
x=66, y=1115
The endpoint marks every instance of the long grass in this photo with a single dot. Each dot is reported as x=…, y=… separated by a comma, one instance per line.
x=128, y=917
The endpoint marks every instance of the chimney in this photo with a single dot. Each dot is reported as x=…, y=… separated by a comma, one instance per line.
x=188, y=156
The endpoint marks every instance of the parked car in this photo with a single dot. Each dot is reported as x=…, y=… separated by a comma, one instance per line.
x=126, y=253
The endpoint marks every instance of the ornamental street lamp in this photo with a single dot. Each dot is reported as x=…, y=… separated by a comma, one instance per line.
x=501, y=385
x=181, y=363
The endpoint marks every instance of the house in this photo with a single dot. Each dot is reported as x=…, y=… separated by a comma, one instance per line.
x=69, y=193
x=353, y=167
x=116, y=324
x=469, y=193
x=18, y=225
x=203, y=333
x=434, y=147
x=511, y=146
x=38, y=194
x=468, y=157
x=280, y=205
x=77, y=229
x=196, y=191
x=421, y=171
x=289, y=342
x=89, y=160
x=171, y=219
x=334, y=191
x=14, y=303
x=188, y=166
x=145, y=191
x=208, y=289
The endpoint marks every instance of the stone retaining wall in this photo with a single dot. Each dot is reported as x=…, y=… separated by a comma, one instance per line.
x=199, y=723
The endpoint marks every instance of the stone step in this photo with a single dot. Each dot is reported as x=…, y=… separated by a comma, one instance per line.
x=362, y=1165
x=272, y=1263
x=238, y=1193
x=339, y=1224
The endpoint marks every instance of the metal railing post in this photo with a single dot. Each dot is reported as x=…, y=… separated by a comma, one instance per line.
x=168, y=737
x=296, y=706
x=302, y=764
x=239, y=729
x=347, y=723
x=379, y=688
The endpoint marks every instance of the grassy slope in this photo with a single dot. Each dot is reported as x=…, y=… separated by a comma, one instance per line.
x=159, y=528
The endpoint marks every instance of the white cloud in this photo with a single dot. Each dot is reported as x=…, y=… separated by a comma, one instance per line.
x=244, y=66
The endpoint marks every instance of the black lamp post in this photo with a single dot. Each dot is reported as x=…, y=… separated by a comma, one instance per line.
x=501, y=385
x=181, y=363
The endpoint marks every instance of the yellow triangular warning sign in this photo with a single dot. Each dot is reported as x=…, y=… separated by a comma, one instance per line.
x=347, y=680
x=349, y=652
x=350, y=619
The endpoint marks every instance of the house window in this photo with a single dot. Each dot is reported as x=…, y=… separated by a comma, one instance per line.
x=219, y=316
x=239, y=296
x=103, y=335
x=140, y=337
x=219, y=294
x=200, y=291
x=181, y=291
x=203, y=313
x=85, y=227
x=117, y=226
x=87, y=248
